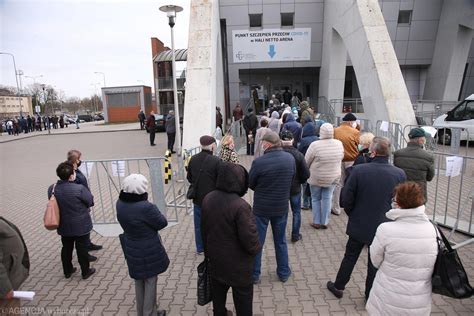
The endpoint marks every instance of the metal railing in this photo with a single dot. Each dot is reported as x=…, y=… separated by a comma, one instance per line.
x=105, y=179
x=326, y=110
x=348, y=105
x=450, y=198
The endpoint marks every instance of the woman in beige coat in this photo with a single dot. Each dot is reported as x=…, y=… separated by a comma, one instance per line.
x=324, y=161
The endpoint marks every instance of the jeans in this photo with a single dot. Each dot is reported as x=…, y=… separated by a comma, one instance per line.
x=295, y=203
x=250, y=147
x=243, y=298
x=353, y=250
x=306, y=196
x=321, y=199
x=281, y=249
x=336, y=208
x=171, y=138
x=81, y=250
x=197, y=228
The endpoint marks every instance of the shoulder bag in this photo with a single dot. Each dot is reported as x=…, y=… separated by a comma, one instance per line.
x=449, y=277
x=51, y=215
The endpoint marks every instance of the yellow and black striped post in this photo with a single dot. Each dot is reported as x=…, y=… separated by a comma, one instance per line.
x=186, y=158
x=167, y=165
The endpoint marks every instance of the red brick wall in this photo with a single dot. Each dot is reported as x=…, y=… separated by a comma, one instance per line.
x=129, y=114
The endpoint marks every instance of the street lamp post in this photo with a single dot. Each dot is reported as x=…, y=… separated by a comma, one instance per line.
x=171, y=11
x=103, y=75
x=16, y=79
x=44, y=101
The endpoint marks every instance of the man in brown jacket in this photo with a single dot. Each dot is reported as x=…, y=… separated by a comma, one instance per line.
x=349, y=135
x=12, y=272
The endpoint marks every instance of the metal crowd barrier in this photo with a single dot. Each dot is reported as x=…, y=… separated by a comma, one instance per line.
x=105, y=179
x=451, y=198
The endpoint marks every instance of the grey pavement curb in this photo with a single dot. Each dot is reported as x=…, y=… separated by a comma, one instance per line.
x=67, y=133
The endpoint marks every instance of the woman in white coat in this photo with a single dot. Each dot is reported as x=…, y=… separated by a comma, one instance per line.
x=404, y=251
x=323, y=158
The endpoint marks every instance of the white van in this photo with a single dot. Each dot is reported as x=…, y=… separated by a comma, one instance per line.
x=461, y=116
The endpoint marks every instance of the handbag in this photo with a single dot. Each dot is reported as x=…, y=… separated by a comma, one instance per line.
x=204, y=290
x=51, y=215
x=191, y=194
x=449, y=277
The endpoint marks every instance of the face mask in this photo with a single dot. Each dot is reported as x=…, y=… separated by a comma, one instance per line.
x=354, y=124
x=360, y=147
x=79, y=163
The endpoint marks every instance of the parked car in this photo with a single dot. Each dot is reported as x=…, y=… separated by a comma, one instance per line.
x=461, y=116
x=84, y=118
x=98, y=117
x=69, y=119
x=160, y=122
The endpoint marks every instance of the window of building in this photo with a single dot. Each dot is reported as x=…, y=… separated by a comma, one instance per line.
x=287, y=19
x=255, y=20
x=404, y=16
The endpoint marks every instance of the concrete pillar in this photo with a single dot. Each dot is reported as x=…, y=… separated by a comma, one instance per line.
x=204, y=80
x=453, y=41
x=361, y=26
x=333, y=65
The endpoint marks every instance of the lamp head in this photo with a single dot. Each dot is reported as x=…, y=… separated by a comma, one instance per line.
x=171, y=11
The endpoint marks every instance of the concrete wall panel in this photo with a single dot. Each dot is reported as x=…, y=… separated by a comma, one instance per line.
x=390, y=10
x=423, y=30
x=426, y=10
x=309, y=13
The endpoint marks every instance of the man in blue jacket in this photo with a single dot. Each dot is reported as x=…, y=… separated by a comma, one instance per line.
x=366, y=197
x=271, y=177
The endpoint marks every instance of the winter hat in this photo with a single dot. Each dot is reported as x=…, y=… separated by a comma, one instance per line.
x=207, y=140
x=416, y=132
x=349, y=117
x=135, y=183
x=271, y=137
x=326, y=131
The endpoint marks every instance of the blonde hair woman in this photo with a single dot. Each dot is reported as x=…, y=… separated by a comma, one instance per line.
x=365, y=140
x=227, y=152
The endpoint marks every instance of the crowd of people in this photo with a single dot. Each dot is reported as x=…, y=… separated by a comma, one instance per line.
x=34, y=123
x=298, y=164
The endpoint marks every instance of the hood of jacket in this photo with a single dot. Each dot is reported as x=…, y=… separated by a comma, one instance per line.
x=232, y=178
x=275, y=115
x=290, y=118
x=326, y=131
x=309, y=129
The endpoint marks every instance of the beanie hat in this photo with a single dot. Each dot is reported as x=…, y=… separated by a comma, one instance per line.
x=416, y=132
x=135, y=183
x=349, y=117
x=206, y=140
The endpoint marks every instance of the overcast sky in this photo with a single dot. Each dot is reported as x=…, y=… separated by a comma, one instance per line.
x=66, y=41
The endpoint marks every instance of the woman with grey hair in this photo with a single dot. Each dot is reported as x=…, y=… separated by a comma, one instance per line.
x=141, y=243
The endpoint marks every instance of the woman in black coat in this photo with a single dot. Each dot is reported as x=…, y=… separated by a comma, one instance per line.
x=141, y=243
x=74, y=201
x=230, y=238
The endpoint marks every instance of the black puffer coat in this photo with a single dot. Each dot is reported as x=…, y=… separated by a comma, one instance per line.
x=228, y=228
x=204, y=180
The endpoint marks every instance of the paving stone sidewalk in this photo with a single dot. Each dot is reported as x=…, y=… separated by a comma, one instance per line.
x=28, y=167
